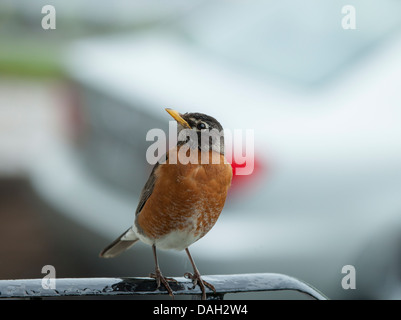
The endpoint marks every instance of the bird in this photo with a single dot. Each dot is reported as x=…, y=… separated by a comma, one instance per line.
x=183, y=196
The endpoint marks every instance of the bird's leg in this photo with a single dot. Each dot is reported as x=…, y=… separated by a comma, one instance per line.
x=196, y=278
x=158, y=276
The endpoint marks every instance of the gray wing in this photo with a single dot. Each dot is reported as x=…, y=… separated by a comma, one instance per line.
x=147, y=189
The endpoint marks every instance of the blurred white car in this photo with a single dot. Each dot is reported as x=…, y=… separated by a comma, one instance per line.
x=325, y=107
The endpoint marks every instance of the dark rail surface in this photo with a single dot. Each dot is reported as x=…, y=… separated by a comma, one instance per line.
x=69, y=287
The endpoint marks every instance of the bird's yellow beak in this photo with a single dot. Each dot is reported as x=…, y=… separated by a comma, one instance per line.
x=177, y=117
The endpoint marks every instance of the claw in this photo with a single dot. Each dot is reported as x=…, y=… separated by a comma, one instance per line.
x=161, y=279
x=197, y=280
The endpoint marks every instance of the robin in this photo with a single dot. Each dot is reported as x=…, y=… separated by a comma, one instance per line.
x=182, y=200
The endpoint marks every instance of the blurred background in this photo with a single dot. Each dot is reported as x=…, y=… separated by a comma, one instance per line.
x=324, y=102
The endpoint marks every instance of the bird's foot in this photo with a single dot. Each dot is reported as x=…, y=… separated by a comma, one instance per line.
x=197, y=280
x=158, y=276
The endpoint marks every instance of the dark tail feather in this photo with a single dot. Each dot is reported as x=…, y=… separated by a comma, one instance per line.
x=122, y=243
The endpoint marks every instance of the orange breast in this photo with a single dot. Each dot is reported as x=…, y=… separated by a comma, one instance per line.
x=186, y=197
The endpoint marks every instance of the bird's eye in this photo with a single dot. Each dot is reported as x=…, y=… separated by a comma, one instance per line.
x=201, y=125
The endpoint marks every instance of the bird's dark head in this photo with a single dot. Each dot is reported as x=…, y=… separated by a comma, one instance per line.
x=204, y=126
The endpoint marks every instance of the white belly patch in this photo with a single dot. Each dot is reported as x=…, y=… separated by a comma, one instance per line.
x=178, y=239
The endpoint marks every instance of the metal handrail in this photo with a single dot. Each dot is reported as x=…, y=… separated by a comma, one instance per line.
x=235, y=283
